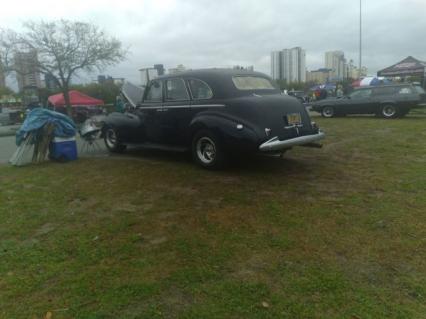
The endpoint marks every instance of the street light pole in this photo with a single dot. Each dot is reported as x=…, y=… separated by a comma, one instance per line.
x=360, y=38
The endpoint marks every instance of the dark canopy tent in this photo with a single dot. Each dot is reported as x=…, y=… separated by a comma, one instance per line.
x=408, y=67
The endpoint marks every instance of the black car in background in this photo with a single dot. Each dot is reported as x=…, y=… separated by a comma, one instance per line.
x=388, y=101
x=214, y=113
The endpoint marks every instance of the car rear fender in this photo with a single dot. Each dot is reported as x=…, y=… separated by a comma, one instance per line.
x=233, y=133
x=387, y=102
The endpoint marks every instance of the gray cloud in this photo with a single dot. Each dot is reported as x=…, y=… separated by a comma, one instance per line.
x=201, y=33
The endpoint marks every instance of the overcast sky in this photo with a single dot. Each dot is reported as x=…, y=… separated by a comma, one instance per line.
x=220, y=33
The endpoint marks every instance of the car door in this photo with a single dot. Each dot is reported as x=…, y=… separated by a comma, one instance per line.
x=175, y=115
x=150, y=111
x=202, y=96
x=382, y=95
x=359, y=102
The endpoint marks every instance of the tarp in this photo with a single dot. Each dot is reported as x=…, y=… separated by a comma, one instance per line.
x=38, y=117
x=370, y=80
x=76, y=98
x=408, y=66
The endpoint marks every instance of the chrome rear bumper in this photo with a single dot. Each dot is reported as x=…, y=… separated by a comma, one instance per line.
x=274, y=144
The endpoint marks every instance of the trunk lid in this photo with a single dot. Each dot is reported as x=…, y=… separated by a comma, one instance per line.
x=273, y=115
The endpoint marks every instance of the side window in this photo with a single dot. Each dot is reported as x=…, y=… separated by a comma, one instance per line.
x=384, y=91
x=200, y=90
x=361, y=94
x=176, y=90
x=155, y=92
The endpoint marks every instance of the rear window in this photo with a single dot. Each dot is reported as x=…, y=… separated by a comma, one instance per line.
x=404, y=90
x=419, y=89
x=246, y=83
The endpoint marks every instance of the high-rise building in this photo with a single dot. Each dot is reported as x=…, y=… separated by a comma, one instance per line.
x=319, y=76
x=276, y=65
x=27, y=75
x=335, y=60
x=289, y=65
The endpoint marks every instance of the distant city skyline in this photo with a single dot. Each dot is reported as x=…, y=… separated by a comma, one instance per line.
x=189, y=32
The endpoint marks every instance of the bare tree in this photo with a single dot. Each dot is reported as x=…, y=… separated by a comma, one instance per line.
x=8, y=38
x=63, y=49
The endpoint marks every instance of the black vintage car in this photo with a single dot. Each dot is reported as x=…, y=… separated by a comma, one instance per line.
x=388, y=101
x=214, y=113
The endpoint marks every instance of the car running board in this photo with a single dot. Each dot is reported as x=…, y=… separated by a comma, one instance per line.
x=161, y=147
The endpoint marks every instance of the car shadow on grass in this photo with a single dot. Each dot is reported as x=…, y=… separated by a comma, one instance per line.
x=245, y=165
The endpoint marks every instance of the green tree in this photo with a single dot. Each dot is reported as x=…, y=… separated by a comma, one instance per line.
x=63, y=48
x=107, y=91
x=6, y=91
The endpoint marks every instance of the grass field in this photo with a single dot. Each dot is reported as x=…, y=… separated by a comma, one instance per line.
x=337, y=232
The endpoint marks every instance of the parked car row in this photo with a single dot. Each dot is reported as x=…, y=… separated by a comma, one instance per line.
x=213, y=113
x=388, y=101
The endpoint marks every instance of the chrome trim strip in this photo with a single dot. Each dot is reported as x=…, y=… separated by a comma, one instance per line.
x=274, y=144
x=208, y=105
x=181, y=106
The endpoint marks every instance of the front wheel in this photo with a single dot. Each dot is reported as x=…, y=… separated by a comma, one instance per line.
x=207, y=150
x=389, y=111
x=112, y=141
x=327, y=111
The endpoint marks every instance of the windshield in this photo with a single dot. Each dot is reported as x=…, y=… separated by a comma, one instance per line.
x=246, y=83
x=419, y=89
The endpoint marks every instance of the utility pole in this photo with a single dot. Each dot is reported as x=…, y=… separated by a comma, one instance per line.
x=360, y=38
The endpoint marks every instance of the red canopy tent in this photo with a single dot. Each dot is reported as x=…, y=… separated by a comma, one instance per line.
x=76, y=98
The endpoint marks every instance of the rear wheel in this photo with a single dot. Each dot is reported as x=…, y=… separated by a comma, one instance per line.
x=112, y=141
x=327, y=111
x=389, y=111
x=207, y=150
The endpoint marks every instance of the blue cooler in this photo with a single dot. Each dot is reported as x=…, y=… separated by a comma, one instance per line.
x=63, y=149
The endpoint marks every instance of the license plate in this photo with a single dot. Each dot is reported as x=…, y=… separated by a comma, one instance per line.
x=294, y=119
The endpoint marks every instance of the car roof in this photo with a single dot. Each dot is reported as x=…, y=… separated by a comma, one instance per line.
x=382, y=86
x=219, y=79
x=213, y=72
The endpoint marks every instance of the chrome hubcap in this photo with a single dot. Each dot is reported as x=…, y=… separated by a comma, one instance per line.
x=111, y=138
x=389, y=111
x=206, y=150
x=328, y=112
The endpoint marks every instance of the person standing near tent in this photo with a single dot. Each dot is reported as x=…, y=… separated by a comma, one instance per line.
x=339, y=91
x=119, y=105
